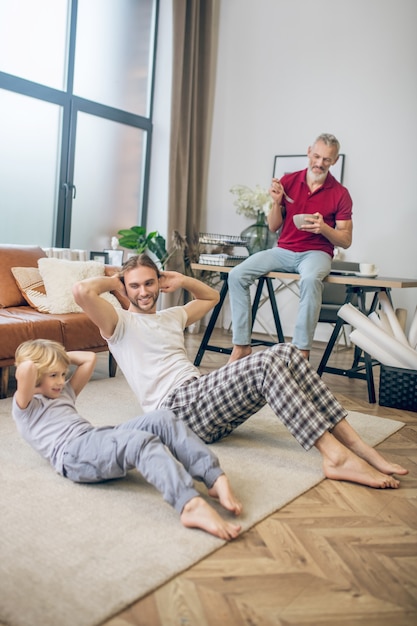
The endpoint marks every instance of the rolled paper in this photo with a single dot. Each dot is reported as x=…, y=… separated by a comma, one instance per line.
x=362, y=341
x=404, y=354
x=401, y=315
x=374, y=317
x=385, y=323
x=392, y=318
x=412, y=333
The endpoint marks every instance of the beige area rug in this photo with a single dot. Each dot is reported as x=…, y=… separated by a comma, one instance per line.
x=78, y=554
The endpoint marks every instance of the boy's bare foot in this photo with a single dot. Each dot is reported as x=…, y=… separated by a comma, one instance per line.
x=239, y=352
x=224, y=493
x=340, y=463
x=197, y=513
x=349, y=438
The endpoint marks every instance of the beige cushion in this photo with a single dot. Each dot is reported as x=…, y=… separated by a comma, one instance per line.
x=30, y=283
x=15, y=256
x=59, y=276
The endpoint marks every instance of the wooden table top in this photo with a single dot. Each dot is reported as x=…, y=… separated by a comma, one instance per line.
x=388, y=282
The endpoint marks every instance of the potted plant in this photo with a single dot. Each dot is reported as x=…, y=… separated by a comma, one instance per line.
x=136, y=238
x=256, y=204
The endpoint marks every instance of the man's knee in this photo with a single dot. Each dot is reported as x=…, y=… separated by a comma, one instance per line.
x=283, y=351
x=311, y=286
x=239, y=276
x=235, y=276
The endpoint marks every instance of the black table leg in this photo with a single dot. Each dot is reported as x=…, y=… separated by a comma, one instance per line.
x=212, y=322
x=367, y=362
x=274, y=308
x=205, y=345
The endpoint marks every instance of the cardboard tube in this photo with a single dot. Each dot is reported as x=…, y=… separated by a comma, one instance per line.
x=392, y=318
x=404, y=354
x=401, y=315
x=374, y=317
x=385, y=323
x=412, y=333
x=362, y=341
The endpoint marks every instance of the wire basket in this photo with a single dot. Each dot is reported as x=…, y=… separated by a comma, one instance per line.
x=223, y=240
x=398, y=388
x=224, y=260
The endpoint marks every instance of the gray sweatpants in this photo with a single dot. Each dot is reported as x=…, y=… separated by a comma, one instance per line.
x=159, y=445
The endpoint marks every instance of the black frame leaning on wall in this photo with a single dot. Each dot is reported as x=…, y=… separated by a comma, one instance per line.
x=288, y=163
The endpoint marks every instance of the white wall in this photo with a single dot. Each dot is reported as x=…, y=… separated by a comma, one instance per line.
x=291, y=69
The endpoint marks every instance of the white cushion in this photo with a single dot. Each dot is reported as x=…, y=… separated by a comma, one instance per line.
x=59, y=276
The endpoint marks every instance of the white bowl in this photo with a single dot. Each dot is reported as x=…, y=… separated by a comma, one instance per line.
x=300, y=219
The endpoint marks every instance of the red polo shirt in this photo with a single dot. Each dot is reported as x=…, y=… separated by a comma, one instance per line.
x=332, y=200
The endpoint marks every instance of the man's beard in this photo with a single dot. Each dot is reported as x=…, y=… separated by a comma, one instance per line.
x=149, y=305
x=316, y=178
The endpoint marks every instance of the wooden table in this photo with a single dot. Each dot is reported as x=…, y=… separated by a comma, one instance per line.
x=358, y=285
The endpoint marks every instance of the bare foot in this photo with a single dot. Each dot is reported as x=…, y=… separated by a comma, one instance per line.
x=374, y=458
x=305, y=354
x=239, y=352
x=350, y=438
x=197, y=513
x=224, y=493
x=340, y=463
x=357, y=470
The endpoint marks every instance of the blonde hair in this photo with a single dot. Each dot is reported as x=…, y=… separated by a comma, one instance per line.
x=45, y=354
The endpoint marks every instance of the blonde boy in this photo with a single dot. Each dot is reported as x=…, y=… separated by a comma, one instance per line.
x=158, y=445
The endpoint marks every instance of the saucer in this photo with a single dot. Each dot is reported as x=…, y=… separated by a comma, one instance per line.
x=373, y=275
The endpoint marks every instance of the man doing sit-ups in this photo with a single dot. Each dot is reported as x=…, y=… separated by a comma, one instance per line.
x=149, y=347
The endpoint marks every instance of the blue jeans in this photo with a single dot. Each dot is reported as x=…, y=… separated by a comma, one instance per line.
x=313, y=266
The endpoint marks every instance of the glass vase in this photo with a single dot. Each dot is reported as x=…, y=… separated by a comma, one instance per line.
x=258, y=235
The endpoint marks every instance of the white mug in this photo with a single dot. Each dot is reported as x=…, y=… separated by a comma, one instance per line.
x=367, y=268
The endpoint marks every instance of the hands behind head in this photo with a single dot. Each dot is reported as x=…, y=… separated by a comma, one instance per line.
x=170, y=281
x=27, y=370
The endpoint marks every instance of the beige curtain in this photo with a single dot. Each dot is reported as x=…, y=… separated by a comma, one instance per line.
x=194, y=63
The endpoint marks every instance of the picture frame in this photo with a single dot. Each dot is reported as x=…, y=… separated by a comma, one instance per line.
x=115, y=257
x=100, y=257
x=288, y=163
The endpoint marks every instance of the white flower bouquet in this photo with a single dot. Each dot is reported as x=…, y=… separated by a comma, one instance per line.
x=250, y=202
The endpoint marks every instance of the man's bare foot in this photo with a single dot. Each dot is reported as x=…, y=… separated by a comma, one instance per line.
x=340, y=463
x=374, y=458
x=305, y=354
x=224, y=493
x=197, y=513
x=350, y=438
x=239, y=352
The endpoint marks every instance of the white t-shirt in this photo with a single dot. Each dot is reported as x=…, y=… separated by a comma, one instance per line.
x=150, y=351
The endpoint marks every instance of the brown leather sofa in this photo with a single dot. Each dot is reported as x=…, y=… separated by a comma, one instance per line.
x=20, y=322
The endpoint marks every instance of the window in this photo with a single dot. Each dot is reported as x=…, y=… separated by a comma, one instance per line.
x=76, y=118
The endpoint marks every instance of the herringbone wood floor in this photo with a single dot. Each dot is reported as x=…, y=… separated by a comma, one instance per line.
x=339, y=555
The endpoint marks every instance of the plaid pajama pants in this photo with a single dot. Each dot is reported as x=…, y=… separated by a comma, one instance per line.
x=214, y=404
